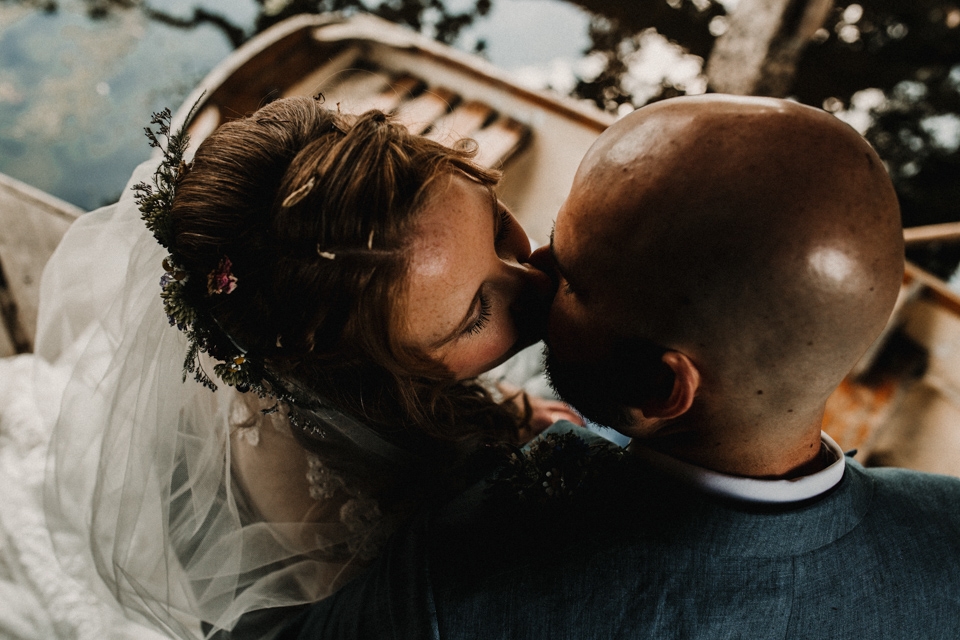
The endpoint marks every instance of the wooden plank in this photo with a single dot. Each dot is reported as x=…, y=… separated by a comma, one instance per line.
x=32, y=223
x=499, y=140
x=7, y=347
x=419, y=114
x=354, y=88
x=390, y=97
x=935, y=288
x=394, y=47
x=944, y=232
x=460, y=123
x=325, y=76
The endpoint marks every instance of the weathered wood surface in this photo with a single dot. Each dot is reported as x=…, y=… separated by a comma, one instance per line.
x=942, y=232
x=6, y=341
x=31, y=224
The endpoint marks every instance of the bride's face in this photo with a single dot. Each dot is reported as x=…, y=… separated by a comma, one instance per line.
x=470, y=299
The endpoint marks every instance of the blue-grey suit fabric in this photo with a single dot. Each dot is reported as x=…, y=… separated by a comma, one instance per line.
x=641, y=556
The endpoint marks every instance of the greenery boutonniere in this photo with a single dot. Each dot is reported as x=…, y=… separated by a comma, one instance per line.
x=554, y=469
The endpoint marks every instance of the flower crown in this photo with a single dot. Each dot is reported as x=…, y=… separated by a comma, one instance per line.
x=185, y=308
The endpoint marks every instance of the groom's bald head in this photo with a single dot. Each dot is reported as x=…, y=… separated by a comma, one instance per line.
x=758, y=237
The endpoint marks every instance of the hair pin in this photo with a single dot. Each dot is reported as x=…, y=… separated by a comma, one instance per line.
x=326, y=254
x=298, y=195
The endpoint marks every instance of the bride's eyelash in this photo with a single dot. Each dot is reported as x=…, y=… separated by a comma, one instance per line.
x=483, y=318
x=506, y=221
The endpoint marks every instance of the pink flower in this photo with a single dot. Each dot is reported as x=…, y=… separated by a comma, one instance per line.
x=220, y=279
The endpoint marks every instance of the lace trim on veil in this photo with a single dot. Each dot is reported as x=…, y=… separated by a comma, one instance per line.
x=365, y=527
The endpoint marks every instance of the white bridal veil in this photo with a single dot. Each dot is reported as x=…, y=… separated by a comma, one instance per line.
x=140, y=490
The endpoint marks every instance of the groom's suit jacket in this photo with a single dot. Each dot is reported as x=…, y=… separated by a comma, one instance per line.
x=634, y=554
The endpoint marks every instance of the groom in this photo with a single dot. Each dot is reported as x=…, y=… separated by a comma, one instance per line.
x=722, y=263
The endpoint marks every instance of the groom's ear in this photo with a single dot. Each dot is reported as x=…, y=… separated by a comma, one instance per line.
x=679, y=397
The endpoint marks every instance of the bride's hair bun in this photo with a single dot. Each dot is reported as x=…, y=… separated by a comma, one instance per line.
x=314, y=208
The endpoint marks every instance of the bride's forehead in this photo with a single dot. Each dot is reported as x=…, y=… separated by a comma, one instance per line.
x=454, y=184
x=453, y=202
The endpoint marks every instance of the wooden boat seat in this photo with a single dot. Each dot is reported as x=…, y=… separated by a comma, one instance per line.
x=422, y=112
x=436, y=111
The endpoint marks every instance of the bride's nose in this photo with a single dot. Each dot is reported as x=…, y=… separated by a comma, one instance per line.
x=542, y=259
x=531, y=283
x=532, y=295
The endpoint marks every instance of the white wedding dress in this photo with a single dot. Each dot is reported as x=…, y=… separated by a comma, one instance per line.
x=136, y=505
x=44, y=596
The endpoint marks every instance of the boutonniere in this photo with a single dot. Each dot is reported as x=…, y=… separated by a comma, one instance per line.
x=554, y=469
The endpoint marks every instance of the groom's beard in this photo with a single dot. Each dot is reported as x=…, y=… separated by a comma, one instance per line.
x=589, y=389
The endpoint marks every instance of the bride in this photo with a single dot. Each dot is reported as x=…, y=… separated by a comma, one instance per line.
x=246, y=395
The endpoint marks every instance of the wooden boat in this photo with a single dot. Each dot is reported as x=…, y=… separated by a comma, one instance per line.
x=900, y=406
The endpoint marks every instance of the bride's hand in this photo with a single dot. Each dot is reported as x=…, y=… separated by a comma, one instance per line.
x=543, y=412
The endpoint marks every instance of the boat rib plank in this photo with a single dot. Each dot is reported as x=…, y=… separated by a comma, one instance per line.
x=6, y=342
x=390, y=97
x=354, y=89
x=499, y=140
x=460, y=123
x=325, y=76
x=33, y=223
x=421, y=112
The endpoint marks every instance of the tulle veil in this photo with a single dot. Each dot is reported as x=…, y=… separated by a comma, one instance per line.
x=139, y=494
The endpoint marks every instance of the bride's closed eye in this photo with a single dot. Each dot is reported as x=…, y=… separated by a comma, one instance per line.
x=483, y=317
x=504, y=223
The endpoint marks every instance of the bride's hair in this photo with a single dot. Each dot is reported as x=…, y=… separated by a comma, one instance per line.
x=315, y=210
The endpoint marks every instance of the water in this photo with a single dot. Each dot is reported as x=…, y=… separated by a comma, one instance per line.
x=76, y=92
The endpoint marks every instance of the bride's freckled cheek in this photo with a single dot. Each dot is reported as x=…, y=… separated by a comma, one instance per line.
x=481, y=353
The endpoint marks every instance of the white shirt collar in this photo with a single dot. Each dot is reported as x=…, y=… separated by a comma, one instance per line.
x=750, y=489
